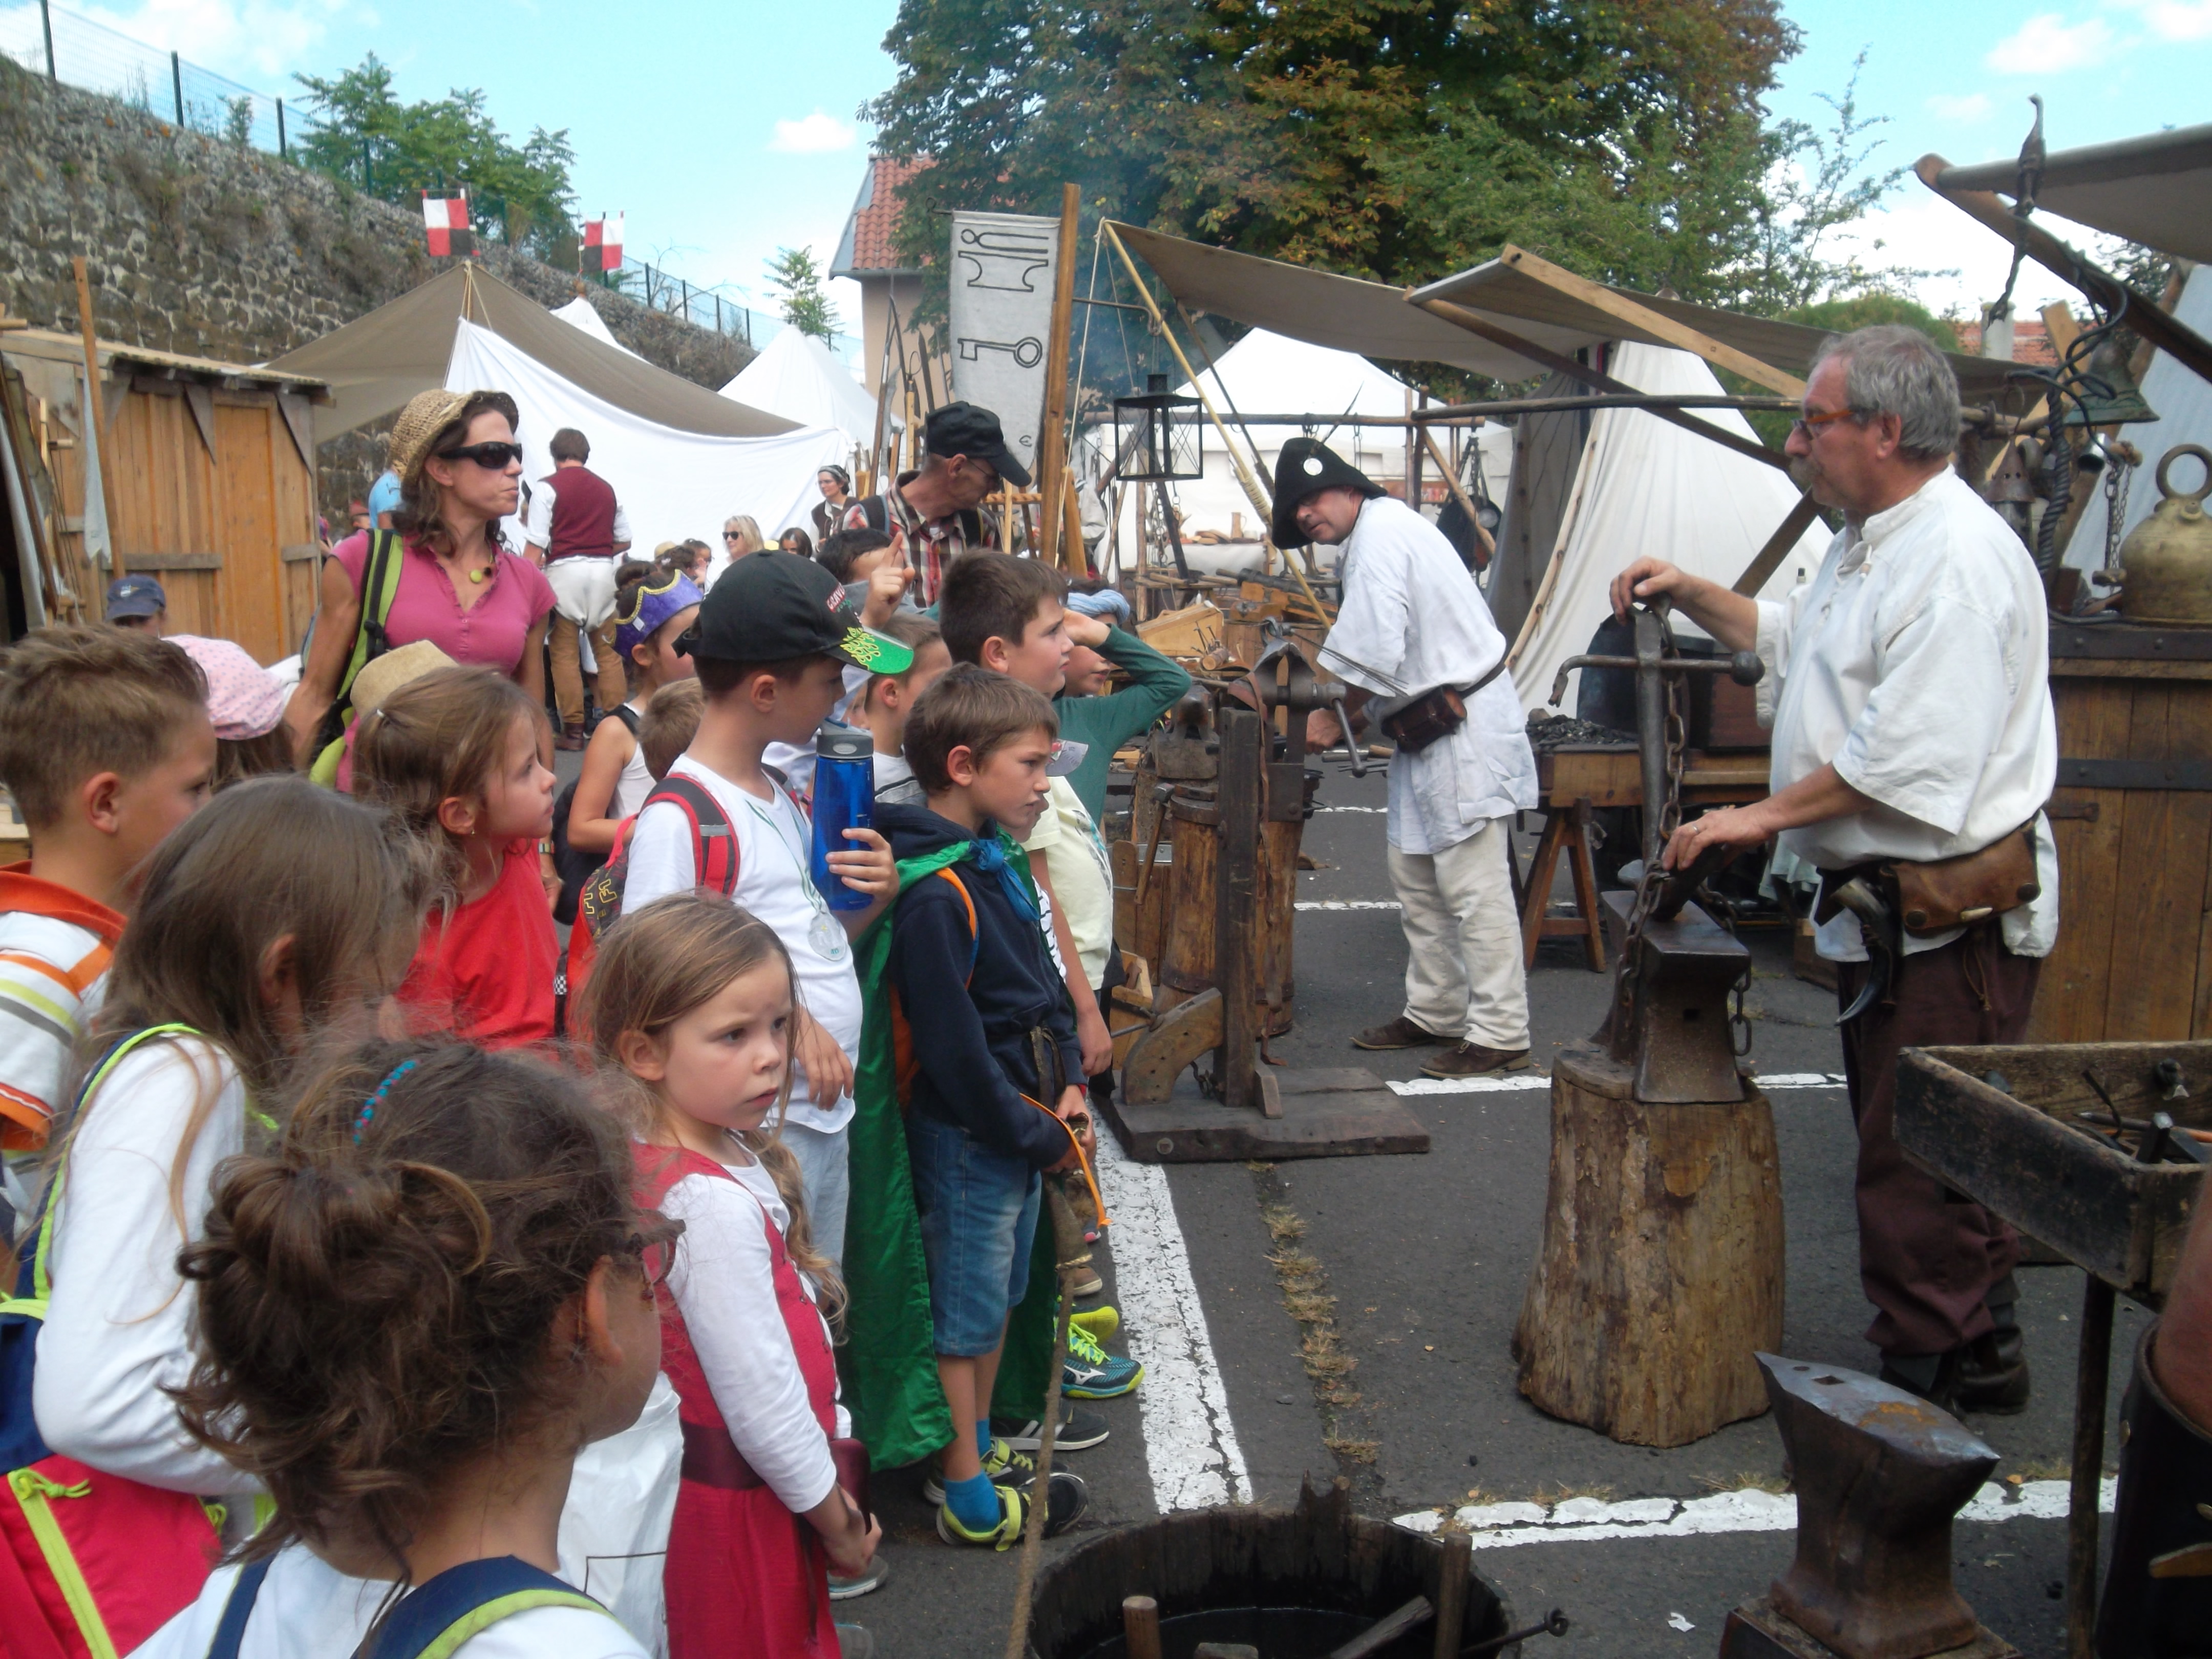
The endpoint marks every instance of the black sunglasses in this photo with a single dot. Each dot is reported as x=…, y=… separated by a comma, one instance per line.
x=494, y=458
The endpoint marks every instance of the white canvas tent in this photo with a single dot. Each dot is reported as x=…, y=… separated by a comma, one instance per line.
x=2183, y=400
x=671, y=483
x=796, y=377
x=1644, y=487
x=579, y=313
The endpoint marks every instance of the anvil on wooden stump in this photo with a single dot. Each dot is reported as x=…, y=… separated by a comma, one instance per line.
x=1880, y=1474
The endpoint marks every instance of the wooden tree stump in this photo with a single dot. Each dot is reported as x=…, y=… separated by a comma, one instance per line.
x=1661, y=1271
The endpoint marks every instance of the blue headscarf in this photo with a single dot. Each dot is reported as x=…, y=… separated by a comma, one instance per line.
x=650, y=606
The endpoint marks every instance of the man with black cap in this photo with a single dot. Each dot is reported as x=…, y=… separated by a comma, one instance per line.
x=1419, y=654
x=931, y=514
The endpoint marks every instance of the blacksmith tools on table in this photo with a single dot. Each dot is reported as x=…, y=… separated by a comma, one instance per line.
x=1880, y=1476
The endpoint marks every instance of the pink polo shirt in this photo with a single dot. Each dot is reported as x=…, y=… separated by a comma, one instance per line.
x=489, y=633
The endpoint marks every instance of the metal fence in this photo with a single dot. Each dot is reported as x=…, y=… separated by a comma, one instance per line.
x=65, y=46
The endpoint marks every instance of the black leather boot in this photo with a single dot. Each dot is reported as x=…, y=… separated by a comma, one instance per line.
x=1993, y=1369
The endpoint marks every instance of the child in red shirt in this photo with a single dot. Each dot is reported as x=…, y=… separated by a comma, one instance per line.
x=454, y=754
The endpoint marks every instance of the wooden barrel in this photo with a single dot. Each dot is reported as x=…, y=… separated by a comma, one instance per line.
x=1187, y=951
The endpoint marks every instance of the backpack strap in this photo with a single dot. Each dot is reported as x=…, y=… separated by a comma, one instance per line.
x=237, y=1609
x=628, y=715
x=974, y=931
x=34, y=1305
x=431, y=1621
x=379, y=586
x=714, y=838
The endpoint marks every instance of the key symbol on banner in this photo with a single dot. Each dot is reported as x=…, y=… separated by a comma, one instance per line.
x=1028, y=353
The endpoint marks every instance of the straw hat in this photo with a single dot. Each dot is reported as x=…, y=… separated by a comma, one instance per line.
x=427, y=415
x=380, y=678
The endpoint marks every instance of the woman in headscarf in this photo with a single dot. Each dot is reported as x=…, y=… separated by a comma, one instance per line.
x=836, y=486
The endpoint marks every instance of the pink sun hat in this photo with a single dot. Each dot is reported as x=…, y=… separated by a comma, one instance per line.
x=244, y=699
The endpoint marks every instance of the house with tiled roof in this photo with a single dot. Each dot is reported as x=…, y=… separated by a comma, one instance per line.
x=866, y=254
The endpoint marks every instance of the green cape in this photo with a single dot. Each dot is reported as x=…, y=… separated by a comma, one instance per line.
x=887, y=1364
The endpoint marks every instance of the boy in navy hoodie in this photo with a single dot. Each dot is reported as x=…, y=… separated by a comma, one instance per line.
x=985, y=1005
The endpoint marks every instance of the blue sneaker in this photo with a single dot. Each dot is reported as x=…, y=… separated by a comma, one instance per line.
x=1091, y=1373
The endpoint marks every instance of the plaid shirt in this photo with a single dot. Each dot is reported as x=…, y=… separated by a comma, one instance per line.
x=927, y=545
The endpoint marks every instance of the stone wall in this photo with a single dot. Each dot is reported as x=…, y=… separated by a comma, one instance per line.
x=195, y=246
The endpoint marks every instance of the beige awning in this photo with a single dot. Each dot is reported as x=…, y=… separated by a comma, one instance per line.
x=375, y=363
x=2156, y=190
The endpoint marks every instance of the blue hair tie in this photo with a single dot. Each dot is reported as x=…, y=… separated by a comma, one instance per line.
x=368, y=1107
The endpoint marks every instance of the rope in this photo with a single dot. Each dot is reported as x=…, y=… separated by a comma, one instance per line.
x=1070, y=1252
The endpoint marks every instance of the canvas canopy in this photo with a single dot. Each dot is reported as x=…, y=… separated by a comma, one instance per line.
x=672, y=484
x=579, y=313
x=375, y=363
x=795, y=376
x=1641, y=487
x=2156, y=190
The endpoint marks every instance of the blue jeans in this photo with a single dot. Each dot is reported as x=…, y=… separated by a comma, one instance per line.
x=979, y=1219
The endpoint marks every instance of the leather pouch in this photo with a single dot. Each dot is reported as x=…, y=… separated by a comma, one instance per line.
x=1957, y=892
x=1413, y=723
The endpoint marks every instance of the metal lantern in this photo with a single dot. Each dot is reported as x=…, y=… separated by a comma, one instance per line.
x=1156, y=435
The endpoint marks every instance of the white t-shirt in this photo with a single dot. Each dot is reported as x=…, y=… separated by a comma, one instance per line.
x=307, y=1609
x=723, y=1280
x=896, y=781
x=774, y=838
x=1082, y=880
x=635, y=781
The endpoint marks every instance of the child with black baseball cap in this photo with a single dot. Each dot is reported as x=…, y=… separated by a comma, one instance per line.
x=771, y=643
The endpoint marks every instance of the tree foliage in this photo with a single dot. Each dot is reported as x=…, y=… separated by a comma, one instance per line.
x=395, y=151
x=1393, y=139
x=806, y=306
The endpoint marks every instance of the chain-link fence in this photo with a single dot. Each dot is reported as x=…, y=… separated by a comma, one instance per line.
x=65, y=46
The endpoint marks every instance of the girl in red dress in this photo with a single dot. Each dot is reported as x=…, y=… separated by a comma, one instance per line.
x=691, y=1002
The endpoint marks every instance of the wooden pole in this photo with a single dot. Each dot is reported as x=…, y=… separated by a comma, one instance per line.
x=1140, y=1627
x=1770, y=557
x=94, y=410
x=1454, y=1562
x=1052, y=437
x=2092, y=1374
x=1459, y=495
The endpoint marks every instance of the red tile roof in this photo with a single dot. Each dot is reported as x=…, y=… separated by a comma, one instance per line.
x=2031, y=341
x=866, y=247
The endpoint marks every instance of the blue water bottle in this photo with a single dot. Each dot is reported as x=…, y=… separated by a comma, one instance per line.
x=844, y=798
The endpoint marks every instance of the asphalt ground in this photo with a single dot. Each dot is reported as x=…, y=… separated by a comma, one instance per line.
x=1427, y=1258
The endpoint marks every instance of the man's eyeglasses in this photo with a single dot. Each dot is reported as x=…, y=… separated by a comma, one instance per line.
x=1804, y=425
x=493, y=457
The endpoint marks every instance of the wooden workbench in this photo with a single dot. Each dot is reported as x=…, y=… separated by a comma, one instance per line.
x=1577, y=780
x=2132, y=819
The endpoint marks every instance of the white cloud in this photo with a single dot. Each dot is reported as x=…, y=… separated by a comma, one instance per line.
x=261, y=38
x=1972, y=106
x=817, y=134
x=2175, y=20
x=2048, y=44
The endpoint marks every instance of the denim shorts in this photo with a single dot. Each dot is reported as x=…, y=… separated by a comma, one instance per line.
x=979, y=1219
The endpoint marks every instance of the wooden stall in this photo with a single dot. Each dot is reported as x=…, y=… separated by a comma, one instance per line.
x=2132, y=820
x=209, y=484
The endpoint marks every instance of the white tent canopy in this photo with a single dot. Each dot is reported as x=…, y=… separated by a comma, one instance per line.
x=796, y=377
x=1272, y=373
x=2183, y=400
x=671, y=483
x=579, y=313
x=1645, y=487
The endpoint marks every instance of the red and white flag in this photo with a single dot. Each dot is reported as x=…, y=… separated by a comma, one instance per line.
x=611, y=244
x=445, y=221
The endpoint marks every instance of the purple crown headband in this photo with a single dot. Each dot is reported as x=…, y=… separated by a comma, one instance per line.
x=654, y=605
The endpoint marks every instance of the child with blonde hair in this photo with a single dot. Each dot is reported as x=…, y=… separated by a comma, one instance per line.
x=455, y=755
x=691, y=1004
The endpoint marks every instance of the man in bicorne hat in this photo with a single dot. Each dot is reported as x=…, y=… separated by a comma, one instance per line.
x=1413, y=623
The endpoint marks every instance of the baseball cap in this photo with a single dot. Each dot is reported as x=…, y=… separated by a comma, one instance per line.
x=970, y=429
x=765, y=610
x=135, y=596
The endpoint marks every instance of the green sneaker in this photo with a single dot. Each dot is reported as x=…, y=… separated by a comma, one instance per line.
x=1100, y=1322
x=1091, y=1373
x=1066, y=1502
x=1006, y=1467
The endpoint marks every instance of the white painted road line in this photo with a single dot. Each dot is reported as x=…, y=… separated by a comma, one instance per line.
x=1351, y=809
x=1190, y=1445
x=1588, y=1520
x=1347, y=904
x=1518, y=1082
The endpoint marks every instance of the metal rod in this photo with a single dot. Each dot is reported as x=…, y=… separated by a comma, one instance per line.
x=1604, y=400
x=177, y=82
x=47, y=23
x=283, y=151
x=1652, y=726
x=2091, y=1372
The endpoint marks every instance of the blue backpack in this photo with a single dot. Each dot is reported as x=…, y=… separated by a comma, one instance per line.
x=431, y=1621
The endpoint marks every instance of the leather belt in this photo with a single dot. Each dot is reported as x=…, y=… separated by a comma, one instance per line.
x=712, y=1459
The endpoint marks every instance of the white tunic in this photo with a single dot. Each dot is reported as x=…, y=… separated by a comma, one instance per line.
x=1917, y=661
x=1413, y=618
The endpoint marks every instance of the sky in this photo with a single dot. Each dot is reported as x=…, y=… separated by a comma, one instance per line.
x=725, y=132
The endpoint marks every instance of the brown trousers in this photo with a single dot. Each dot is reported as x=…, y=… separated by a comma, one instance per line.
x=612, y=685
x=1926, y=1257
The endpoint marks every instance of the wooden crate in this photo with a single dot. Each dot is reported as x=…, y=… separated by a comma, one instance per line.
x=2132, y=820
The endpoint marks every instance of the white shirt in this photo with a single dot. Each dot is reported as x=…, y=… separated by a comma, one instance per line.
x=307, y=1609
x=896, y=781
x=774, y=882
x=724, y=1283
x=1412, y=619
x=119, y=1329
x=1082, y=880
x=635, y=781
x=538, y=517
x=1917, y=662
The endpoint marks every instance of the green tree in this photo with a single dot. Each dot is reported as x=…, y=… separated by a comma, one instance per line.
x=519, y=195
x=806, y=306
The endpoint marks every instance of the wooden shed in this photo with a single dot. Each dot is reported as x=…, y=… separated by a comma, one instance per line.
x=209, y=486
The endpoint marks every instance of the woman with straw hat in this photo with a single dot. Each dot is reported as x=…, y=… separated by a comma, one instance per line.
x=458, y=587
